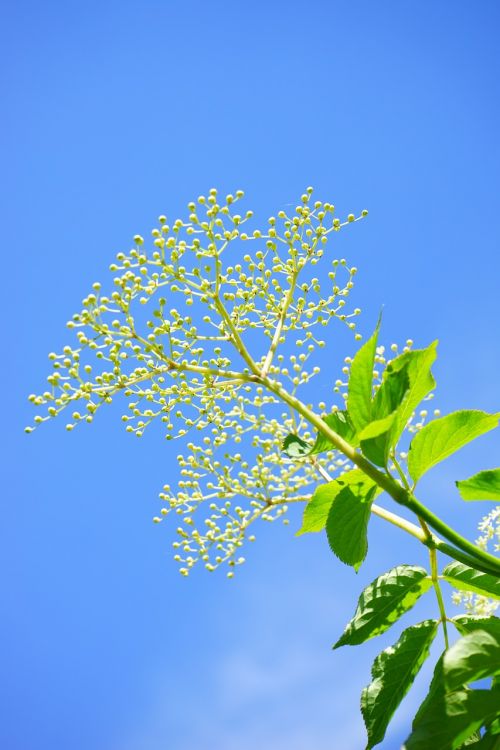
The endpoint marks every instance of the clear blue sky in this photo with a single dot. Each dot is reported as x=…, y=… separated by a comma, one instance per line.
x=113, y=113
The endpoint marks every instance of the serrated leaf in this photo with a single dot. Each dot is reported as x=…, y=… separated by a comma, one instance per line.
x=451, y=713
x=393, y=673
x=318, y=507
x=473, y=657
x=468, y=623
x=418, y=365
x=482, y=486
x=384, y=601
x=339, y=421
x=442, y=437
x=468, y=579
x=347, y=523
x=375, y=439
x=450, y=719
x=359, y=392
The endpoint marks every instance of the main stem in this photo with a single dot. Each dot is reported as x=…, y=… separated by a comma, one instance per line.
x=462, y=550
x=489, y=563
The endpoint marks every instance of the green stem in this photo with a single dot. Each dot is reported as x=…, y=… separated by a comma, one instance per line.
x=387, y=515
x=385, y=481
x=237, y=340
x=457, y=554
x=279, y=328
x=452, y=536
x=439, y=595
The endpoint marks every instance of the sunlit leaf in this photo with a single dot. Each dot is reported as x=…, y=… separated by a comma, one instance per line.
x=317, y=509
x=468, y=579
x=391, y=392
x=451, y=713
x=360, y=387
x=417, y=364
x=482, y=486
x=375, y=439
x=393, y=673
x=384, y=601
x=468, y=623
x=471, y=658
x=442, y=437
x=451, y=718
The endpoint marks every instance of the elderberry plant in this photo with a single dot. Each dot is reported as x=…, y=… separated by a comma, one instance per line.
x=228, y=369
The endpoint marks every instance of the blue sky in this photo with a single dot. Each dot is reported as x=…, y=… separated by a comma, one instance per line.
x=112, y=114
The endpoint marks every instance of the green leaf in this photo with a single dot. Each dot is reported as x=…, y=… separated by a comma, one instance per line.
x=451, y=713
x=359, y=393
x=444, y=436
x=317, y=509
x=347, y=523
x=418, y=365
x=384, y=601
x=487, y=742
x=493, y=727
x=375, y=439
x=471, y=658
x=450, y=719
x=468, y=623
x=406, y=381
x=339, y=421
x=391, y=392
x=482, y=486
x=393, y=673
x=472, y=741
x=468, y=579
x=295, y=447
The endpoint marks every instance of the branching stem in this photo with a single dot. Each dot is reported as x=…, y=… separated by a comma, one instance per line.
x=483, y=560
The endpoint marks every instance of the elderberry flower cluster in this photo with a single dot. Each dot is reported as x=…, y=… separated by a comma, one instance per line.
x=189, y=334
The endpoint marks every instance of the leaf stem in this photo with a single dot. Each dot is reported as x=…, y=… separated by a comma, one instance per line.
x=439, y=595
